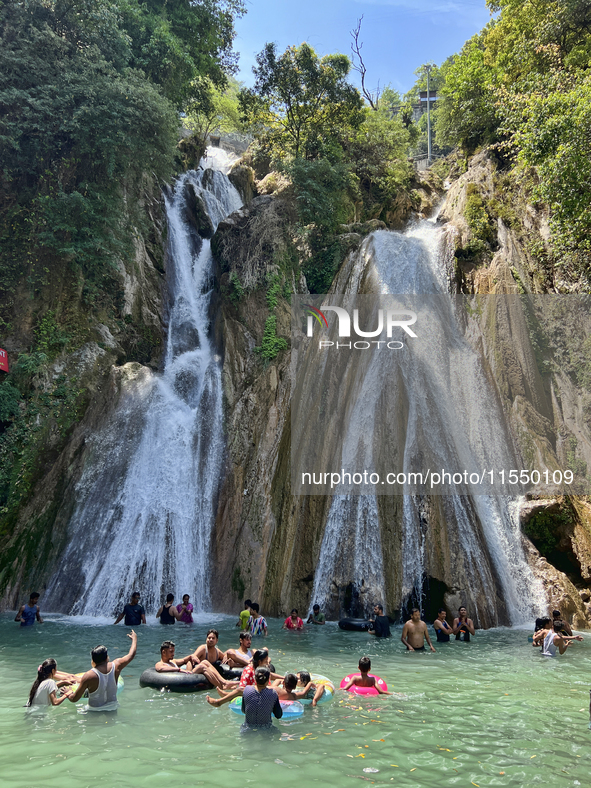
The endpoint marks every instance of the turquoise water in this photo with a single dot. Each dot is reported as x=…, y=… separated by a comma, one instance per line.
x=492, y=712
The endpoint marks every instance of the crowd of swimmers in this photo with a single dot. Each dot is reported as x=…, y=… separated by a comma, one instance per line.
x=261, y=688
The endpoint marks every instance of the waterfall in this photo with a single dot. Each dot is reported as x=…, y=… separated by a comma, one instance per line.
x=498, y=583
x=145, y=504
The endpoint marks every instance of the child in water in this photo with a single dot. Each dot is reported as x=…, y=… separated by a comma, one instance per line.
x=44, y=689
x=364, y=680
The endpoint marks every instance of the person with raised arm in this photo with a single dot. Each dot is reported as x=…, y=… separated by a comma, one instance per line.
x=101, y=679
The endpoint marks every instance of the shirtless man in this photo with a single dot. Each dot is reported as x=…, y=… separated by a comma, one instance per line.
x=414, y=632
x=203, y=659
x=463, y=626
x=101, y=679
x=167, y=662
x=286, y=688
x=241, y=656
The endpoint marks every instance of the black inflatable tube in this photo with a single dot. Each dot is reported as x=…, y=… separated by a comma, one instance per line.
x=181, y=681
x=354, y=624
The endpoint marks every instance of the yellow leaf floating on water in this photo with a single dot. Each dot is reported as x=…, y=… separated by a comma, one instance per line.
x=361, y=755
x=395, y=765
x=349, y=756
x=533, y=756
x=414, y=770
x=476, y=784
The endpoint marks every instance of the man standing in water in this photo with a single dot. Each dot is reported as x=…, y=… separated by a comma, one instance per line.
x=316, y=616
x=441, y=627
x=414, y=632
x=134, y=613
x=101, y=679
x=168, y=613
x=463, y=626
x=380, y=625
x=28, y=613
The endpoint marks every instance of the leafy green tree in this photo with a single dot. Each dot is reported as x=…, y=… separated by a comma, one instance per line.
x=377, y=152
x=184, y=46
x=467, y=115
x=300, y=103
x=222, y=114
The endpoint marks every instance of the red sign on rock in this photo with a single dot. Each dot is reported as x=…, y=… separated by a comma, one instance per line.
x=3, y=360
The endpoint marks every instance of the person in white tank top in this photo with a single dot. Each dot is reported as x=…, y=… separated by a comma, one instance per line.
x=554, y=639
x=101, y=679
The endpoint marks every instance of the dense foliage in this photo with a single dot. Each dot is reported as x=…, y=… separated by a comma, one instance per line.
x=523, y=85
x=90, y=94
x=88, y=98
x=346, y=162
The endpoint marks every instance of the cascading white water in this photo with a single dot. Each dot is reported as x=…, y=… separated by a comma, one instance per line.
x=146, y=502
x=414, y=263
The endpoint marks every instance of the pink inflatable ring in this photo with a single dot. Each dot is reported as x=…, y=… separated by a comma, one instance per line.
x=364, y=690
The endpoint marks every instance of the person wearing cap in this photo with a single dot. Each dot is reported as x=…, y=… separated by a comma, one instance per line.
x=316, y=616
x=134, y=613
x=259, y=702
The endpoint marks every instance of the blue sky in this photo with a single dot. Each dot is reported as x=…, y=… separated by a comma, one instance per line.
x=398, y=35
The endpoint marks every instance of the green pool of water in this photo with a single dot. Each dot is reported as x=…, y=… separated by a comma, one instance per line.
x=492, y=712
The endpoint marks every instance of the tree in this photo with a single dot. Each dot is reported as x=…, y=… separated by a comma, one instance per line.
x=300, y=103
x=373, y=99
x=467, y=115
x=222, y=114
x=184, y=46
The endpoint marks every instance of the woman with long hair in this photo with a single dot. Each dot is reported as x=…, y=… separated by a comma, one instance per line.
x=44, y=689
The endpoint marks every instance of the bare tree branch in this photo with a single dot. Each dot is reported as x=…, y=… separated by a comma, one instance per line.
x=360, y=67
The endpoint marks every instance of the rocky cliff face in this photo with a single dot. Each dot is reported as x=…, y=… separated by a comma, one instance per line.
x=532, y=356
x=72, y=395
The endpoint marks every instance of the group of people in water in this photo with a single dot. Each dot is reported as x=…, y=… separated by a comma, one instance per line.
x=553, y=635
x=261, y=688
